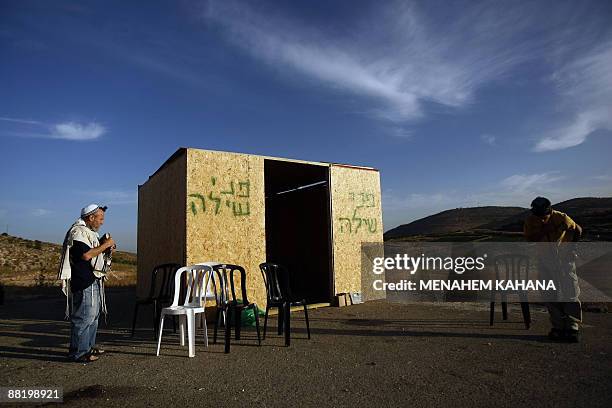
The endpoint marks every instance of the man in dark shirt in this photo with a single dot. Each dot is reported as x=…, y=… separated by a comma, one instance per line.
x=82, y=270
x=84, y=285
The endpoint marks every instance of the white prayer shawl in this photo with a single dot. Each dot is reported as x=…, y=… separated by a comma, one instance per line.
x=101, y=263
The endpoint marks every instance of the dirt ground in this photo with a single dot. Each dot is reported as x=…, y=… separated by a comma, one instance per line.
x=373, y=354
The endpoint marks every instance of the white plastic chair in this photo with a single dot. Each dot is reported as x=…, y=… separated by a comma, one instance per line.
x=211, y=290
x=198, y=281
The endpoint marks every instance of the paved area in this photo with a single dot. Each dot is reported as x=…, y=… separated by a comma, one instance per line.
x=373, y=354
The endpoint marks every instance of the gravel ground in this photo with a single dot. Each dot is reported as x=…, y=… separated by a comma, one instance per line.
x=373, y=354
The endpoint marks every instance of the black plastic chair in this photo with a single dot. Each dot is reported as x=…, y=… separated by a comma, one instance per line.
x=162, y=290
x=513, y=267
x=278, y=294
x=229, y=304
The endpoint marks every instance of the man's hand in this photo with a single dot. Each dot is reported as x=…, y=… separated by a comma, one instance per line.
x=109, y=243
x=577, y=233
x=110, y=246
x=93, y=252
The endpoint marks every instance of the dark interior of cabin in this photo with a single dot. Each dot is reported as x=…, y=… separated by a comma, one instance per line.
x=298, y=227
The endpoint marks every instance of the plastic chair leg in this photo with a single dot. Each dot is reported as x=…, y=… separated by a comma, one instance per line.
x=156, y=316
x=228, y=328
x=306, y=318
x=281, y=318
x=161, y=330
x=287, y=328
x=257, y=323
x=182, y=329
x=202, y=320
x=205, y=330
x=217, y=318
x=134, y=319
x=526, y=314
x=190, y=317
x=238, y=322
x=491, y=313
x=266, y=321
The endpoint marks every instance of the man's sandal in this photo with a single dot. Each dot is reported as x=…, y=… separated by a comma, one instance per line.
x=97, y=351
x=87, y=358
x=573, y=336
x=556, y=335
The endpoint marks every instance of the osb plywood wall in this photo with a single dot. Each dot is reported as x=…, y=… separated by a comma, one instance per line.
x=356, y=218
x=225, y=213
x=161, y=221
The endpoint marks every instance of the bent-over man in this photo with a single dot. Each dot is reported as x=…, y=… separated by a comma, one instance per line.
x=557, y=262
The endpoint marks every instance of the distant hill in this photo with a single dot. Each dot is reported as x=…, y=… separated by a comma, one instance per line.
x=25, y=262
x=456, y=220
x=593, y=214
x=483, y=223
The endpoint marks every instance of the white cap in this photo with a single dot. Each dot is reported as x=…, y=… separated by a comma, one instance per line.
x=90, y=209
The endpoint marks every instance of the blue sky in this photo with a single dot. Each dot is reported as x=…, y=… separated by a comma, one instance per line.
x=457, y=103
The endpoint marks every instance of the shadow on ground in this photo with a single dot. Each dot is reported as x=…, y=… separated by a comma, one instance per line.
x=369, y=354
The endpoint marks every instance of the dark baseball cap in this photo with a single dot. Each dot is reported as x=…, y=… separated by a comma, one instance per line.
x=541, y=206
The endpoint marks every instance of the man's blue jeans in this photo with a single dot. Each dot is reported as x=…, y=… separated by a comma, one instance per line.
x=84, y=320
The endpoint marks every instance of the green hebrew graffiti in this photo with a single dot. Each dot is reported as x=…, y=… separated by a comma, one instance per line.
x=365, y=199
x=356, y=219
x=371, y=223
x=193, y=204
x=246, y=186
x=217, y=200
x=231, y=192
x=342, y=226
x=361, y=203
x=235, y=199
x=238, y=211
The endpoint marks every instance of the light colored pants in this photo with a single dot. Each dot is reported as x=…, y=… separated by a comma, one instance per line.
x=566, y=313
x=84, y=320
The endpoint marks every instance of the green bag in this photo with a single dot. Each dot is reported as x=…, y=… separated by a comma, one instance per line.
x=247, y=317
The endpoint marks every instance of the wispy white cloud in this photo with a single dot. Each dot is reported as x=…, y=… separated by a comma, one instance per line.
x=78, y=131
x=399, y=132
x=405, y=62
x=585, y=86
x=394, y=201
x=21, y=121
x=160, y=58
x=412, y=60
x=70, y=130
x=530, y=182
x=491, y=140
x=40, y=212
x=115, y=197
x=515, y=190
x=576, y=132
